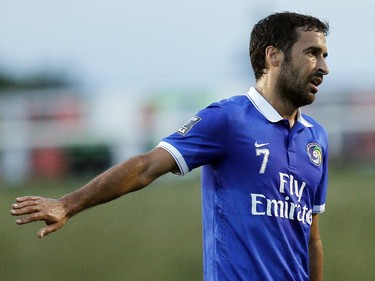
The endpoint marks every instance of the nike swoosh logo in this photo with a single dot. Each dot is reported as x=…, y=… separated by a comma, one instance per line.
x=260, y=144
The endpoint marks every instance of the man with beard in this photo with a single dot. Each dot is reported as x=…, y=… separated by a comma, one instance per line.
x=264, y=164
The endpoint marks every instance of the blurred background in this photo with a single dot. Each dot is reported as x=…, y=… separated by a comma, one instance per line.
x=87, y=84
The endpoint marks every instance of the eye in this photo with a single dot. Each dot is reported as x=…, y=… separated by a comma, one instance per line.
x=313, y=53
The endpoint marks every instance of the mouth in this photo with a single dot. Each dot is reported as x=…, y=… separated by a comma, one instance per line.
x=315, y=82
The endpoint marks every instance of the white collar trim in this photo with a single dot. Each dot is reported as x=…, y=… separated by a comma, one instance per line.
x=266, y=109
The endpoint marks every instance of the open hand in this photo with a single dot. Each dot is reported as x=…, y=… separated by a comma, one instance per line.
x=36, y=208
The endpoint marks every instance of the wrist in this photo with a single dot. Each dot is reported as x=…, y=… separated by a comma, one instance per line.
x=70, y=205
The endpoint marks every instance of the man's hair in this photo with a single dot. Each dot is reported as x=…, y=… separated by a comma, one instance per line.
x=279, y=30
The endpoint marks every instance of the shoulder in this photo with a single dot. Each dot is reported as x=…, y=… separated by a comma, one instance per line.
x=318, y=129
x=219, y=115
x=234, y=101
x=312, y=121
x=232, y=105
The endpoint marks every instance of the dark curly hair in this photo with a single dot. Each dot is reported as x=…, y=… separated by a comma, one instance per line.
x=279, y=30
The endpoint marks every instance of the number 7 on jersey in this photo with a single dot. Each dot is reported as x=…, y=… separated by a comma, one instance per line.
x=265, y=152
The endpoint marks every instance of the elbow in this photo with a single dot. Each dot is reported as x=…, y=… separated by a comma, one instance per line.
x=140, y=173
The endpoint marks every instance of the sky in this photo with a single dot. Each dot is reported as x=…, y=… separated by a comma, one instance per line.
x=162, y=43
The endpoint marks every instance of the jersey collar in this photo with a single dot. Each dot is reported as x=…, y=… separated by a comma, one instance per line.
x=262, y=105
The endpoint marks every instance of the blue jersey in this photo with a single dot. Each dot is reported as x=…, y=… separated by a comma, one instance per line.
x=261, y=183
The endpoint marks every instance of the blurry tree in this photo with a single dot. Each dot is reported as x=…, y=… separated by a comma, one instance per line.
x=39, y=80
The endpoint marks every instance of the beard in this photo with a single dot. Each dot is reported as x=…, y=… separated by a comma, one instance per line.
x=292, y=87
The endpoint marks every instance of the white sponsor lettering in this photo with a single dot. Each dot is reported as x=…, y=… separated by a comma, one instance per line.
x=261, y=206
x=294, y=187
x=286, y=208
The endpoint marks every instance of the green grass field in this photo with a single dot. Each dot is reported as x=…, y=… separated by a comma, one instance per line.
x=155, y=234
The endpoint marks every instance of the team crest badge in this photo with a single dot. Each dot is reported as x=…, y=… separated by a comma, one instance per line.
x=315, y=153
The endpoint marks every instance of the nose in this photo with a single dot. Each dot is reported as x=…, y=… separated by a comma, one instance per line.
x=322, y=66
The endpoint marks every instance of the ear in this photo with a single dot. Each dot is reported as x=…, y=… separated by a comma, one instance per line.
x=273, y=56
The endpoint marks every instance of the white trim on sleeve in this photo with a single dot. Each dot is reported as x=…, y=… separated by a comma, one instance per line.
x=317, y=209
x=180, y=161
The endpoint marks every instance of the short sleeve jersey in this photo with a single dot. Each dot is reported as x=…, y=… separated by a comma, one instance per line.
x=261, y=183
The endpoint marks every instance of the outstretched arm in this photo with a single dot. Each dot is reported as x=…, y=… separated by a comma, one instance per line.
x=315, y=252
x=126, y=177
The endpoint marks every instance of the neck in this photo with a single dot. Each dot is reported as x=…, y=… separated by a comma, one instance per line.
x=283, y=107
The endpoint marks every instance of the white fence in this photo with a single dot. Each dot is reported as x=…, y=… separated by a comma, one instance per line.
x=131, y=122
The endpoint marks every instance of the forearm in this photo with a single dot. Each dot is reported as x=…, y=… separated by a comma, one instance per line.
x=316, y=260
x=126, y=177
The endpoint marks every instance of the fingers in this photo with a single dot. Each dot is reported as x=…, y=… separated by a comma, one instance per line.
x=27, y=198
x=25, y=205
x=25, y=201
x=31, y=218
x=49, y=229
x=24, y=210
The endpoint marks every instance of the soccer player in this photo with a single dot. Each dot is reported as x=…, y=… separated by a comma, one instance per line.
x=264, y=164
